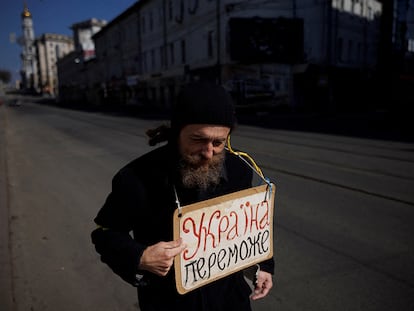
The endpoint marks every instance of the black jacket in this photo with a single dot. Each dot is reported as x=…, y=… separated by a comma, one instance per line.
x=142, y=201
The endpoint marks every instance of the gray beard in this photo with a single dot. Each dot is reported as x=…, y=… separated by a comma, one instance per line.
x=201, y=176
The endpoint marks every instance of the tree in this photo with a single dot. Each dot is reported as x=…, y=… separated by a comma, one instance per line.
x=5, y=76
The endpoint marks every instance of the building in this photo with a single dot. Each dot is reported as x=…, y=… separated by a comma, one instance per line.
x=403, y=54
x=118, y=59
x=83, y=33
x=154, y=47
x=341, y=54
x=77, y=71
x=28, y=55
x=303, y=54
x=49, y=49
x=39, y=57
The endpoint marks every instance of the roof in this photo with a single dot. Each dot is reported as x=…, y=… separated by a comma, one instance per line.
x=129, y=11
x=88, y=23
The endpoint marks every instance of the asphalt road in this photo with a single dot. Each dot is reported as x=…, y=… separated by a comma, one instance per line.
x=344, y=213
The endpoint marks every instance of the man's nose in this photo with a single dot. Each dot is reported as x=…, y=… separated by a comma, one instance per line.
x=208, y=151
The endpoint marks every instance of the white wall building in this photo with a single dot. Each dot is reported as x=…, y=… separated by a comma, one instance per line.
x=50, y=48
x=188, y=39
x=278, y=51
x=82, y=34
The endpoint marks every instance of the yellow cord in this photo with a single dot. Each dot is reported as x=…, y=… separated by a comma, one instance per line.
x=244, y=154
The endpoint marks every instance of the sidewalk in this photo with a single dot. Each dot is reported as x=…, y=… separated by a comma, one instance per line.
x=6, y=281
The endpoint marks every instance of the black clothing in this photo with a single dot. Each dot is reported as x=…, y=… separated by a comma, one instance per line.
x=143, y=201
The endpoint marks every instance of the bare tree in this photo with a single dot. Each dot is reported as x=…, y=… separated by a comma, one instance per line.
x=5, y=76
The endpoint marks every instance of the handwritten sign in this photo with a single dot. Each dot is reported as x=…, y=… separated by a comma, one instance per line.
x=223, y=235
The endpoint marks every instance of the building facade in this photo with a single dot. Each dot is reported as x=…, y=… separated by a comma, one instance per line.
x=83, y=33
x=78, y=72
x=403, y=53
x=299, y=53
x=49, y=49
x=118, y=59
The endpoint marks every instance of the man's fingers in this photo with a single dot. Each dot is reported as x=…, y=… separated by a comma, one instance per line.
x=263, y=285
x=174, y=244
x=159, y=257
x=175, y=247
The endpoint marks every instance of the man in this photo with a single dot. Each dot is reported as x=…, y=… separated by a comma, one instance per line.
x=193, y=166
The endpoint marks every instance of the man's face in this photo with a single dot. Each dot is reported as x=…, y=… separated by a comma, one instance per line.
x=201, y=148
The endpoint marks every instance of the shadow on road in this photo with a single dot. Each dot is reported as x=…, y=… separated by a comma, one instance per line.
x=392, y=126
x=372, y=125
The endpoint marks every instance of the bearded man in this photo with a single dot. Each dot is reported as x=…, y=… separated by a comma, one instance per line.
x=192, y=166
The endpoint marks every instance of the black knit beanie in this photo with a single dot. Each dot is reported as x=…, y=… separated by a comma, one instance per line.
x=203, y=103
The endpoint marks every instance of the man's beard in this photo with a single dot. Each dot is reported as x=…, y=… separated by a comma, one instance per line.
x=196, y=174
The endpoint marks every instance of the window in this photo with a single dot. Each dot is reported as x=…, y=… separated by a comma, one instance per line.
x=410, y=45
x=143, y=23
x=359, y=52
x=183, y=55
x=57, y=51
x=160, y=15
x=192, y=6
x=350, y=51
x=144, y=62
x=162, y=57
x=180, y=17
x=170, y=10
x=172, y=57
x=339, y=48
x=152, y=59
x=151, y=21
x=370, y=14
x=210, y=44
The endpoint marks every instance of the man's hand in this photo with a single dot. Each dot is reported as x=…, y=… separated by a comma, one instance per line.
x=158, y=258
x=263, y=285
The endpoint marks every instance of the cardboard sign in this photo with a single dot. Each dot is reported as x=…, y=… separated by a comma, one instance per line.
x=223, y=235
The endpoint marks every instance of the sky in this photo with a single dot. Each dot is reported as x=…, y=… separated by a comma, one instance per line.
x=49, y=16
